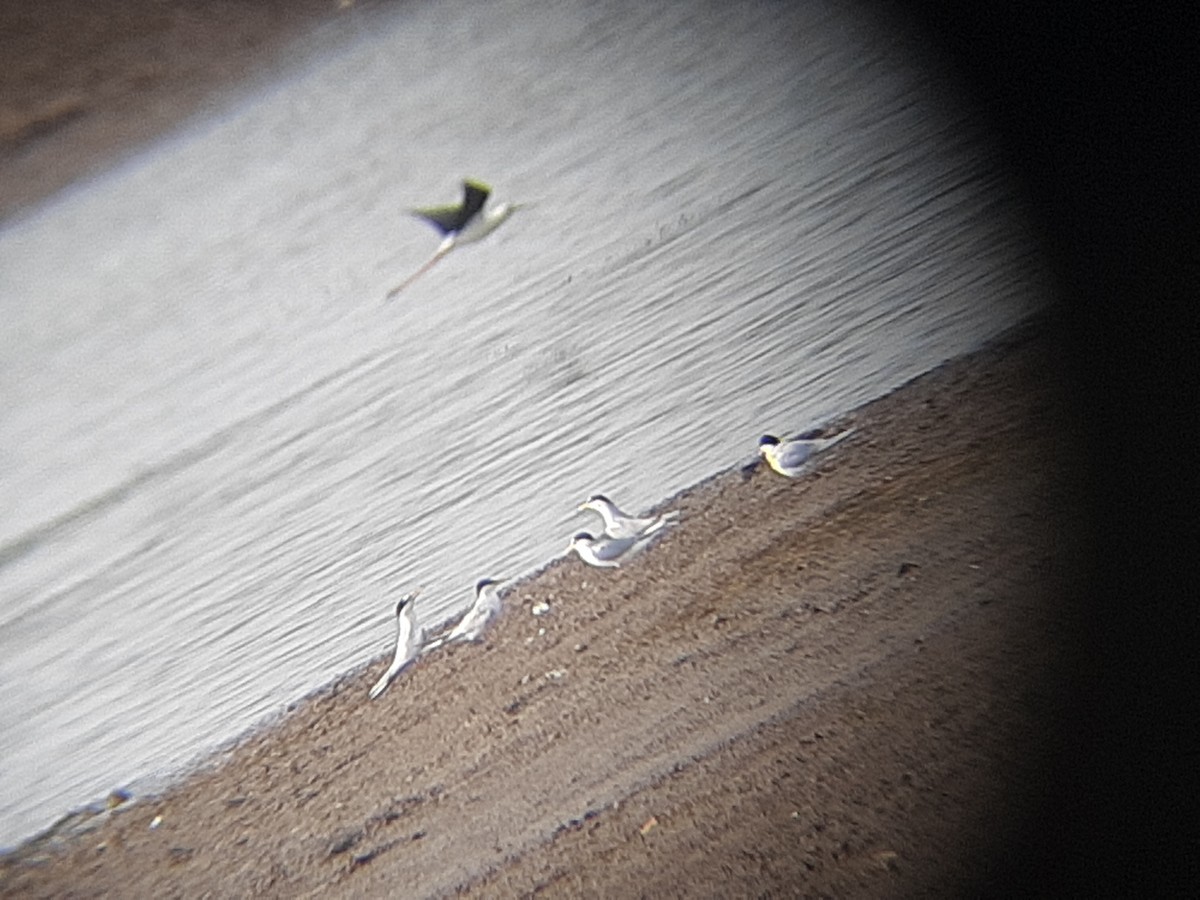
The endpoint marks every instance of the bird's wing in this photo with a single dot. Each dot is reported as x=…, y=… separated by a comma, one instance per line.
x=653, y=526
x=794, y=454
x=444, y=218
x=447, y=219
x=612, y=548
x=630, y=527
x=475, y=194
x=415, y=641
x=465, y=625
x=644, y=523
x=837, y=438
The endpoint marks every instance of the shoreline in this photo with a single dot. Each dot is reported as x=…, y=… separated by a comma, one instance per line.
x=816, y=633
x=87, y=84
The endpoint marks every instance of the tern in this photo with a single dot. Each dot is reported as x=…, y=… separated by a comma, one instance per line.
x=790, y=457
x=465, y=223
x=472, y=625
x=621, y=525
x=605, y=552
x=409, y=638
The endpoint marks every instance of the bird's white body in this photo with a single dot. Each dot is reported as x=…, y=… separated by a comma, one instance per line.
x=604, y=552
x=472, y=625
x=409, y=638
x=619, y=525
x=790, y=458
x=480, y=226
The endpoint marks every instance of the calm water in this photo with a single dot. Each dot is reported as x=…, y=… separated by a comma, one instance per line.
x=222, y=455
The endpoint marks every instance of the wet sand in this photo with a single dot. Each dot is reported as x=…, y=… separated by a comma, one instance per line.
x=854, y=683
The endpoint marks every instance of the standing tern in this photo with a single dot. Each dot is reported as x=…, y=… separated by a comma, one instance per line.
x=472, y=625
x=620, y=525
x=465, y=223
x=790, y=457
x=409, y=638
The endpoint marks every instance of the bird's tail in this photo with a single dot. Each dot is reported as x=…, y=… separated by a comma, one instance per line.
x=670, y=517
x=381, y=685
x=440, y=641
x=432, y=645
x=826, y=443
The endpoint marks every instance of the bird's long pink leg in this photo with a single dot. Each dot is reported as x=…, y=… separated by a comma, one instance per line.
x=417, y=274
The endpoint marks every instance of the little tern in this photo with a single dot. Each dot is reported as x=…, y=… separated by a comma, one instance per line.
x=790, y=457
x=605, y=552
x=408, y=642
x=621, y=525
x=465, y=223
x=472, y=625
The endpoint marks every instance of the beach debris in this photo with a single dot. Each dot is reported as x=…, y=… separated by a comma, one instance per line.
x=556, y=674
x=155, y=822
x=181, y=854
x=77, y=822
x=540, y=608
x=346, y=841
x=361, y=859
x=648, y=826
x=116, y=797
x=886, y=858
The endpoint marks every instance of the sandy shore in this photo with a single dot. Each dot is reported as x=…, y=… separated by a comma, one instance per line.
x=849, y=684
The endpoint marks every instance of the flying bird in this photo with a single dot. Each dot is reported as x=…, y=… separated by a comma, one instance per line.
x=469, y=221
x=409, y=638
x=790, y=457
x=605, y=552
x=472, y=625
x=621, y=525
